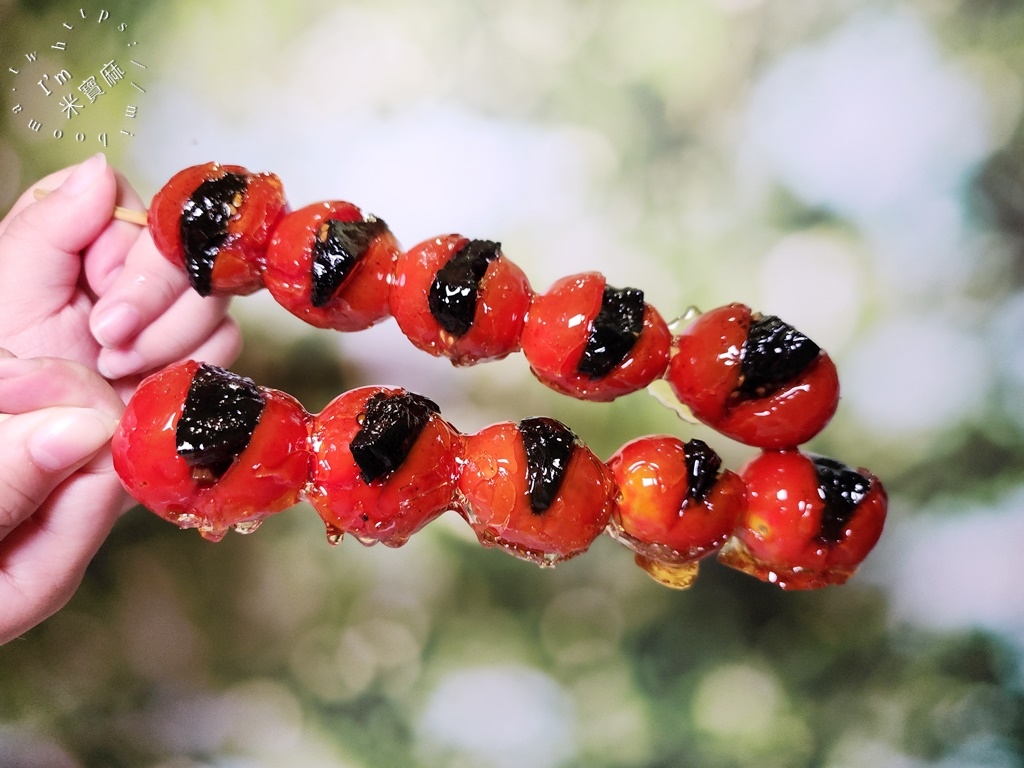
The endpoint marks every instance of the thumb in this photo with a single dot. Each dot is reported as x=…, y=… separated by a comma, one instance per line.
x=39, y=450
x=44, y=240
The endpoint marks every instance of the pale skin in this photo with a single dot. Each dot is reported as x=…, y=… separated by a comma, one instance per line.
x=87, y=308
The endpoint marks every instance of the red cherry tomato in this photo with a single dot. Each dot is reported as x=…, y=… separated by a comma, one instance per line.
x=564, y=330
x=810, y=521
x=153, y=461
x=468, y=317
x=331, y=266
x=214, y=221
x=675, y=505
x=510, y=504
x=775, y=392
x=386, y=465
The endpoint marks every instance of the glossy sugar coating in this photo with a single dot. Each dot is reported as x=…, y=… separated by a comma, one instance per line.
x=494, y=487
x=266, y=477
x=707, y=374
x=244, y=220
x=393, y=505
x=500, y=301
x=333, y=247
x=561, y=325
x=795, y=533
x=662, y=512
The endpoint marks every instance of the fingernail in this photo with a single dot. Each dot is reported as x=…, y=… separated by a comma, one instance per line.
x=117, y=364
x=69, y=438
x=116, y=325
x=85, y=175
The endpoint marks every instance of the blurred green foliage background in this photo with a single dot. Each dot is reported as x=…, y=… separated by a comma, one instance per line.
x=854, y=167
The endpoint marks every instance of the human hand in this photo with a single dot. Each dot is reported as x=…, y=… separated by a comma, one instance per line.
x=59, y=495
x=77, y=284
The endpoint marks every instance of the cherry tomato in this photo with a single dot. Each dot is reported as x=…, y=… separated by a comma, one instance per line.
x=215, y=221
x=205, y=448
x=753, y=378
x=461, y=299
x=331, y=266
x=590, y=341
x=386, y=465
x=535, y=490
x=810, y=521
x=675, y=504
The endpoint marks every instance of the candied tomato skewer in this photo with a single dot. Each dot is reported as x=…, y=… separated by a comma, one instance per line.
x=205, y=448
x=676, y=504
x=810, y=521
x=385, y=464
x=331, y=266
x=208, y=449
x=588, y=340
x=215, y=222
x=530, y=487
x=461, y=299
x=753, y=378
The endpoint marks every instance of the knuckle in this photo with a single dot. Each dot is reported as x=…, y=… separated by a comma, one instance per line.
x=18, y=501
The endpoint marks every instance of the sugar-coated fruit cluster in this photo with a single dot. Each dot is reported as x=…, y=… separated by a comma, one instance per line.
x=381, y=463
x=209, y=449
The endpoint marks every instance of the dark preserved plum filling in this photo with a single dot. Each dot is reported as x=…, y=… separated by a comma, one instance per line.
x=220, y=414
x=337, y=248
x=614, y=331
x=549, y=446
x=391, y=425
x=453, y=292
x=842, y=489
x=204, y=225
x=774, y=354
x=702, y=465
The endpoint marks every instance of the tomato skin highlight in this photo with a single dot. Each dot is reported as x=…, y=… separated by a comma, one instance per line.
x=496, y=502
x=361, y=301
x=238, y=264
x=557, y=330
x=780, y=538
x=391, y=508
x=503, y=299
x=705, y=374
x=657, y=516
x=268, y=476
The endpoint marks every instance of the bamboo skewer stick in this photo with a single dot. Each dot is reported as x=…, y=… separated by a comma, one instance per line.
x=122, y=214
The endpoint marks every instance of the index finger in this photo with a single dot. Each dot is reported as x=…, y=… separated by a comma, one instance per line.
x=105, y=257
